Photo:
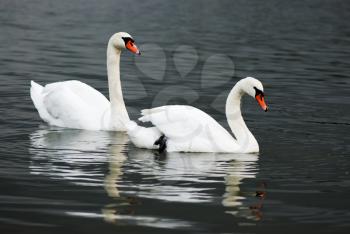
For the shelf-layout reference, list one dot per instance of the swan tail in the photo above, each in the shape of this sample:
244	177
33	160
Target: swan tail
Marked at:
143	137
145	115
152	114
36	94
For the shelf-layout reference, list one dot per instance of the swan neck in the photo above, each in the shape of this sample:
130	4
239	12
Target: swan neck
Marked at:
119	114
244	137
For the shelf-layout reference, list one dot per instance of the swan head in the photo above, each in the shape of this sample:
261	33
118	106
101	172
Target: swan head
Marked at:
253	87
123	40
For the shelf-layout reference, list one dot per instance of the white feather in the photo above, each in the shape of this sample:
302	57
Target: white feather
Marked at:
71	104
143	137
187	129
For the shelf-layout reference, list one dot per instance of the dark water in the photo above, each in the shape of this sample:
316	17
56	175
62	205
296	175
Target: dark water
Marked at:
56	180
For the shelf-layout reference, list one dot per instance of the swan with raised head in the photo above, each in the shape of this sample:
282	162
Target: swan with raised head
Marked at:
181	128
74	104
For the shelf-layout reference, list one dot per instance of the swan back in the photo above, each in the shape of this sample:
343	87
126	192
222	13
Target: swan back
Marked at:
189	129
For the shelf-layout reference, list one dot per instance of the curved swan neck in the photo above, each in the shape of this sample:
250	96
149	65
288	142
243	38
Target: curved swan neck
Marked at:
235	120
119	114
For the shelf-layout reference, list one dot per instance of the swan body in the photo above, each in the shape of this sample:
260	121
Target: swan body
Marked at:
74	104
188	129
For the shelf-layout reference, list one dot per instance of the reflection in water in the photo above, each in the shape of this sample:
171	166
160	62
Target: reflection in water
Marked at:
188	177
70	154
80	156
256	208
243	167
115	162
122	205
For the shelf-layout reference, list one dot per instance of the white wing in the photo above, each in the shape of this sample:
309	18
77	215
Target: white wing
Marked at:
189	129
71	104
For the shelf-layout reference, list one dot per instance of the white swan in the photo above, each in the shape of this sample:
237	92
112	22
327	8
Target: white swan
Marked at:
73	104
180	128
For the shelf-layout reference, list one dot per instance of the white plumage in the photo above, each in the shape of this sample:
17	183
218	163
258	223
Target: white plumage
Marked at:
73	104
188	129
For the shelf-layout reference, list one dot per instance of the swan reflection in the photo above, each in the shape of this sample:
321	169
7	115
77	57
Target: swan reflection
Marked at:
80	157
189	177
77	156
73	155
121	205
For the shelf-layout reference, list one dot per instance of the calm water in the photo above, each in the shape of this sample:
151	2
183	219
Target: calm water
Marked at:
56	180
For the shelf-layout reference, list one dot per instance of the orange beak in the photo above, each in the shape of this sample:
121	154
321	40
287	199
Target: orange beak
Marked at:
260	99
132	47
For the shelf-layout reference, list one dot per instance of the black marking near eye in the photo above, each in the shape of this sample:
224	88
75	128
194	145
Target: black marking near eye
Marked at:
127	39
258	92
